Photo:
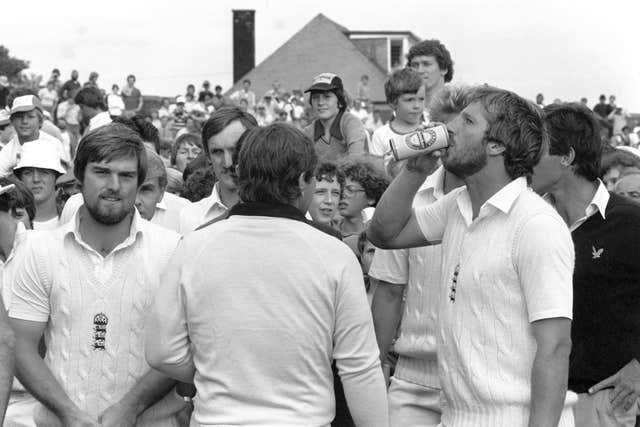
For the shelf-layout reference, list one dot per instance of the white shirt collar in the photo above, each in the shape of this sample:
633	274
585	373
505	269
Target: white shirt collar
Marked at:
507	195
72	229
434	183
161	204
101	119
599	201
214	200
502	200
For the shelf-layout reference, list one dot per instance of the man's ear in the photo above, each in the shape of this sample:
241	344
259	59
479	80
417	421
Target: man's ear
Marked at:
495	148
567	159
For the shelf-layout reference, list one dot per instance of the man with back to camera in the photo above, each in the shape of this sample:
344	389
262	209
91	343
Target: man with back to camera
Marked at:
87	286
94	108
266	359
504	321
432	60
605	227
219	137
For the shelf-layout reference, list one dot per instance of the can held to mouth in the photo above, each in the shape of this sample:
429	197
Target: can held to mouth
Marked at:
419	142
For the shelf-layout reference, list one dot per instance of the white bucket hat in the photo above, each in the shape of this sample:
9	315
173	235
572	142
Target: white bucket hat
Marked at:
42	154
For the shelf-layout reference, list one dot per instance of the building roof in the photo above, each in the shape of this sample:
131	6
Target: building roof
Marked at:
320	46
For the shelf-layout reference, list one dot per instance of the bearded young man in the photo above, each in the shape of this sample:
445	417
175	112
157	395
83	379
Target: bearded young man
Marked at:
87	286
505	304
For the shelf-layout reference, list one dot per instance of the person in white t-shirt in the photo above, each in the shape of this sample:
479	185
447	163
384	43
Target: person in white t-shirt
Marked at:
404	91
49	96
39	168
27	120
506	295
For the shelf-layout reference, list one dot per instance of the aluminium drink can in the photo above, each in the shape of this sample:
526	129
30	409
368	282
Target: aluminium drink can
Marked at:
419	142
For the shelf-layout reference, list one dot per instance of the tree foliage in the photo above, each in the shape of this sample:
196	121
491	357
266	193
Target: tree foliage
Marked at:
9	65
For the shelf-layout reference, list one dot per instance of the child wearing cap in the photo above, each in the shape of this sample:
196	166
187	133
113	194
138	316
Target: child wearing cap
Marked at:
38	169
335	132
405	94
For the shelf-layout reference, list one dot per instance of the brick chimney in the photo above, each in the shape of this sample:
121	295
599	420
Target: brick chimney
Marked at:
244	43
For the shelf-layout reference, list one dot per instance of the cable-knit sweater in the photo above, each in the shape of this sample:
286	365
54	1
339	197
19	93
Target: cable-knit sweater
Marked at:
95	310
508	267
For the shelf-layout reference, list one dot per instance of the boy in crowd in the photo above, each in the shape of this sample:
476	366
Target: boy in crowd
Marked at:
324	205
27	120
363	181
605	227
404	91
407	282
39	168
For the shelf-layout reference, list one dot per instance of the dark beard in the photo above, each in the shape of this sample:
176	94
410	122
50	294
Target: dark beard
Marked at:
107	218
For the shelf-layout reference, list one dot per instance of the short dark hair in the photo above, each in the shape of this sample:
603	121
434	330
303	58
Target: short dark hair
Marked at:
147	131
198	185
366	171
218	87
439	51
400	82
326	171
515	123
131	76
270	163
222	118
18	198
91	97
246	81
107	143
572	125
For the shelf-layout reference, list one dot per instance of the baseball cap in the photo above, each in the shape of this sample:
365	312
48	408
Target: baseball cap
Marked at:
25	103
181	99
325	82
4	117
4	81
40	154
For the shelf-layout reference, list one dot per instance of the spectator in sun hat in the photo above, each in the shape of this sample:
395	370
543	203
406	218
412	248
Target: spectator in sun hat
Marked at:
334	132
39	168
26	118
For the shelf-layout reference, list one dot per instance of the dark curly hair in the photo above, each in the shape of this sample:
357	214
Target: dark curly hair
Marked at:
199	185
366	171
438	50
326	171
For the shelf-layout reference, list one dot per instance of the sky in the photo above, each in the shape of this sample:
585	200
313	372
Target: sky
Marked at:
563	48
